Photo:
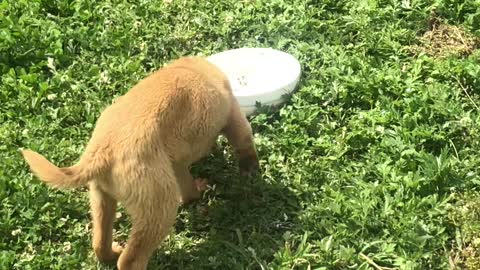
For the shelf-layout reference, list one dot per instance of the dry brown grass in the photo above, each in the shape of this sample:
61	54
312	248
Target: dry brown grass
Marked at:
446	40
465	253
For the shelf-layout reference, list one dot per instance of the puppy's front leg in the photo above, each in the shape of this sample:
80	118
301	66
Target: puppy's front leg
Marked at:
239	134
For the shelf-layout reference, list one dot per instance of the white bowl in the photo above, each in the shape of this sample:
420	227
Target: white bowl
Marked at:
260	75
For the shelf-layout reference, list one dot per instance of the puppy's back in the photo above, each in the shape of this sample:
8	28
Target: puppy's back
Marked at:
208	70
180	102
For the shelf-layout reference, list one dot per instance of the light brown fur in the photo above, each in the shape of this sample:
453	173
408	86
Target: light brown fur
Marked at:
141	149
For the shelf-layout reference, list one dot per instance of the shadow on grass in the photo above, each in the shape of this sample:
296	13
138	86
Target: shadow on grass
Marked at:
239	224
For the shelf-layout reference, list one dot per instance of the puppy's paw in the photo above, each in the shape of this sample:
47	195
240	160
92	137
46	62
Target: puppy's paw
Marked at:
249	165
117	249
201	184
108	256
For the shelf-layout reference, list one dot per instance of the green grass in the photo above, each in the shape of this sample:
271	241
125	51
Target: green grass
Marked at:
376	154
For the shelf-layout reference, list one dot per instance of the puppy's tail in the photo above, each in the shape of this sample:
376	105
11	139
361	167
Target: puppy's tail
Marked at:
63	178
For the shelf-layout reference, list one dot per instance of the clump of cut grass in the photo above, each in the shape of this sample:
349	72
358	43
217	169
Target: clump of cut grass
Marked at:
465	214
446	40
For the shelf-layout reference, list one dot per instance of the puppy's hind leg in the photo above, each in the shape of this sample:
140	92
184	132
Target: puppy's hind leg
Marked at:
103	208
152	203
239	134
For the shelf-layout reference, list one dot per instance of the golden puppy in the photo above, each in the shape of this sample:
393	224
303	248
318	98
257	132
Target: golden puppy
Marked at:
141	149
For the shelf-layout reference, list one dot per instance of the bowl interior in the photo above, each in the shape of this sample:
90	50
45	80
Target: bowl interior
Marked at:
257	71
